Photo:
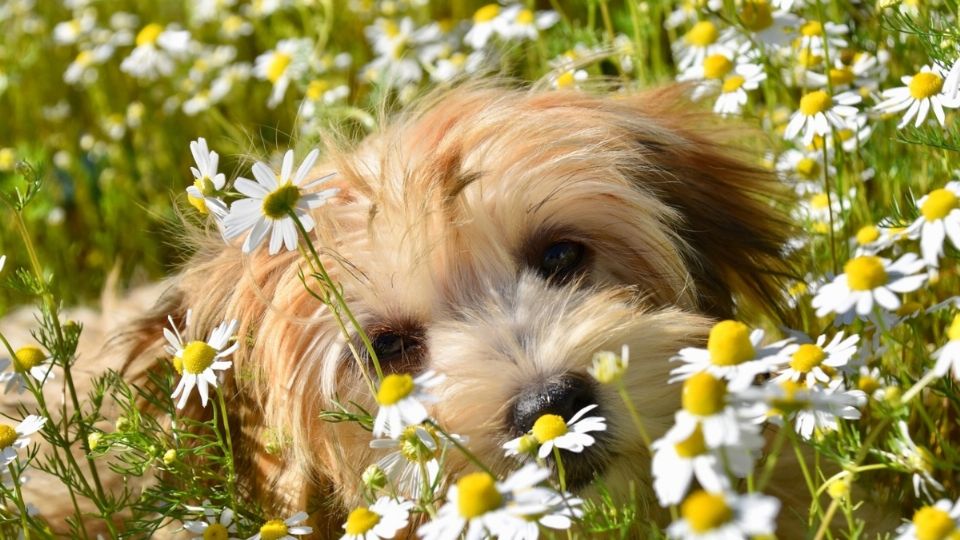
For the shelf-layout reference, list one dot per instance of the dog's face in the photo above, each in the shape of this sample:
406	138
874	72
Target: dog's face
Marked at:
500	238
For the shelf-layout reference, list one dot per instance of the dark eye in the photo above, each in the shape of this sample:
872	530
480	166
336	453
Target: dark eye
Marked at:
561	260
388	345
397	350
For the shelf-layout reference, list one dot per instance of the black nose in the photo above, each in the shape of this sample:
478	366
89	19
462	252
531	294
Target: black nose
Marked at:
564	396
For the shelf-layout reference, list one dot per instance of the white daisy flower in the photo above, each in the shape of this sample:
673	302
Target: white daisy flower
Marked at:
551	430
773	28
814	363
207	182
157	48
27	361
415	460
69	32
706	406
871	381
199	360
401	398
485	22
568	79
948	356
214	526
939	219
819	111
382	519
913	459
733	89
940	520
271	199
733	353
804	170
867	281
14	438
519	23
287	62
725	516
814	410
851	137
814	35
931	88
702	40
690	10
283	529
607	367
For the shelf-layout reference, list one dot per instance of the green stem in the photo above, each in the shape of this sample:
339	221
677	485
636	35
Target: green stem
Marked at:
561	472
470	455
634	414
772	457
231	470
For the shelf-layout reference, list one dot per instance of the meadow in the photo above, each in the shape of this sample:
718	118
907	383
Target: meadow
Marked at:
126	123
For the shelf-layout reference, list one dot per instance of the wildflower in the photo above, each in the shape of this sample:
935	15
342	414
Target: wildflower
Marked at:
156	49
608	367
568	79
26	361
805	169
415	461
733	90
519	23
815	363
283	529
766	25
69	32
207	182
288	61
814	409
706	406
13	438
401	398
485	21
392	41
930	88
733	353
270	201
915	459
383	519
866	280
819	111
948	356
551	430
705	515
214	526
702	40
939	219
198	360
814	36
939	521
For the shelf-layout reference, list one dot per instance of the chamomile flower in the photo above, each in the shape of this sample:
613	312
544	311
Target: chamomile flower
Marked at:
804	170
814	410
817	363
871	381
734	88
705	38
931	88
948	356
207	182
199	360
940	520
269	202
608	367
914	459
215	525
27	361
485	22
568	79
814	36
868	281
819	111
282	65
772	27
14	438
283	529
382	519
415	459
733	353
551	430
519	23
401	398
705	400
727	516
156	50
939	219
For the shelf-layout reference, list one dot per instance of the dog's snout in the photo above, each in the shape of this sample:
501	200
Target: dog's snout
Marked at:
563	396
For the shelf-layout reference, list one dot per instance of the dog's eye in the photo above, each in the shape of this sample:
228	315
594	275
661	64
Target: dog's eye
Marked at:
561	260
398	350
388	345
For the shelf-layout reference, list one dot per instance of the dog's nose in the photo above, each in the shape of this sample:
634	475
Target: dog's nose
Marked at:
564	396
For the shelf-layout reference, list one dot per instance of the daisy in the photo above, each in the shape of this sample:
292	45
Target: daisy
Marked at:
207	182
766	25
851	137
914	459
519	23
550	430
401	398
868	280
939	219
814	35
819	111
156	49
940	520
733	353
727	516
931	88
415	461
705	406
69	32
15	438
198	360
26	361
871	381
283	529
804	169
607	367
215	527
701	41
814	410
568	79
271	199
733	89
383	519
948	356
287	62
815	363
484	26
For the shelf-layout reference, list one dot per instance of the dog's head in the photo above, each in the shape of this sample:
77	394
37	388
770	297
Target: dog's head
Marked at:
501	237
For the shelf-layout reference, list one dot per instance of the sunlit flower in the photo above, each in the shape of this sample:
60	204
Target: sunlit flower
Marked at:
14	438
199	360
608	367
706	406
552	431
815	35
813	409
382	519
914	459
705	38
948	356
725	516
283	529
939	219
287	62
733	353
485	23
516	22
772	27
401	398
156	50
27	361
415	459
207	181
939	521
69	32
817	363
819	111
867	281
214	526
931	88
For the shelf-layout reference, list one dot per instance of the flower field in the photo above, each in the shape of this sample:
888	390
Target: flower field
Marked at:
129	128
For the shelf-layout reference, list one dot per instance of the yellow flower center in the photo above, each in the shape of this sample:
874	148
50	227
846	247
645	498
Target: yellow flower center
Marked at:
394	388
939	203
565	80
716	66
933	524
281	201
549	427
525	17
809	59
790	401
215	531
27	358
808	168
867	234
487	13
868	384
316	88
8	436
527	445
865	273
414	449
149	34
705	511
732	83
756	15
273	530
84	58
702	34
278	66
232	24
925	84
704	395
811	29
361	520
841	76
815	102
953	333
692	446
477	494
729	343
197	357
807	357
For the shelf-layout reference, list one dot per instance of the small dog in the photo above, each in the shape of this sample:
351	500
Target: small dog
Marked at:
501	237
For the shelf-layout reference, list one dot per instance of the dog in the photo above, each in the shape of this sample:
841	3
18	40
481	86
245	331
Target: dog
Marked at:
499	236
